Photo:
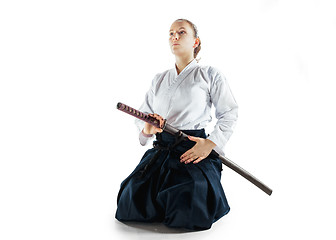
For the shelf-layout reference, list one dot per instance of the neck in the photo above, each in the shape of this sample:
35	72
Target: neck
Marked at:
182	62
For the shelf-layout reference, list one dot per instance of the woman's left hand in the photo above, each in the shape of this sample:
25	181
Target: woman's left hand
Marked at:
197	153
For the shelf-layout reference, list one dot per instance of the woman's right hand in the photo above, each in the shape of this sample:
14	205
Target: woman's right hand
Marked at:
150	129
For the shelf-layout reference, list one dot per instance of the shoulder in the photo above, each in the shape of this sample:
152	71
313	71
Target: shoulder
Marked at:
212	73
159	76
162	73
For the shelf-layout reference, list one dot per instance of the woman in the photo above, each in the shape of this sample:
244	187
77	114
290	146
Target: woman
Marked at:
178	182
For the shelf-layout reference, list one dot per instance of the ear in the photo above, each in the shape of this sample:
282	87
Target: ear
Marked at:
197	41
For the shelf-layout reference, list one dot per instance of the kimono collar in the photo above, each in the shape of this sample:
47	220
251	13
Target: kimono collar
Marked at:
189	66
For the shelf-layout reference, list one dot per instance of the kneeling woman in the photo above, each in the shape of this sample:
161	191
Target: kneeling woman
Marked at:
178	182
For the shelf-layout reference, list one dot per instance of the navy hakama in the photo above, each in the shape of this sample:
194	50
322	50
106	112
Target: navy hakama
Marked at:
162	189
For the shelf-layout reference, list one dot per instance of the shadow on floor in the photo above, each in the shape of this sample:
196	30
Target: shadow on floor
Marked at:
152	227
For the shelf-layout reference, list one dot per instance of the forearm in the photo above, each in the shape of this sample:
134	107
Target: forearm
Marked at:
144	138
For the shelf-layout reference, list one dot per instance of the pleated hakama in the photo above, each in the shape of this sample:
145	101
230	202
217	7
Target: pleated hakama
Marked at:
162	189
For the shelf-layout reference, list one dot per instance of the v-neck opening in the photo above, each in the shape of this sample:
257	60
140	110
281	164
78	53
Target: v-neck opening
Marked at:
185	72
192	63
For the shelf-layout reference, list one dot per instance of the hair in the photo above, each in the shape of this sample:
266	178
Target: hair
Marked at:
193	26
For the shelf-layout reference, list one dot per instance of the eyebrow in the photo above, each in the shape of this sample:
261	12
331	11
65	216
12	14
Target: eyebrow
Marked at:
178	29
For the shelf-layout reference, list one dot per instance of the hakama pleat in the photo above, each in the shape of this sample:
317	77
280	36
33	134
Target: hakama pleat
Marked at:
162	189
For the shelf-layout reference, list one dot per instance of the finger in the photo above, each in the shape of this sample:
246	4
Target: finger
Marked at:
191	159
161	120
156	116
198	160
187	158
195	139
187	153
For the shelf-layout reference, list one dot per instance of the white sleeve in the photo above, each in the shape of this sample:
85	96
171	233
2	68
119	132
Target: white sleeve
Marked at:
146	107
226	110
144	139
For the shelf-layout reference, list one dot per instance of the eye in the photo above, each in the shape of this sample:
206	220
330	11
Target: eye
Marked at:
182	32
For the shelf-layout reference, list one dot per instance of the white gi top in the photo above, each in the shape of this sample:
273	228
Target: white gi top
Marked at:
185	101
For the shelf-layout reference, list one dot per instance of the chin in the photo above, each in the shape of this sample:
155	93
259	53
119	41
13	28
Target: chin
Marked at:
177	52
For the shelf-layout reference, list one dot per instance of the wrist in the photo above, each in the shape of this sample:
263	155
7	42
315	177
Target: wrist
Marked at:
210	143
146	134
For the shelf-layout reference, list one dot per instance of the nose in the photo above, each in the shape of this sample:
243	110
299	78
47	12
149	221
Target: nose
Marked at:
175	36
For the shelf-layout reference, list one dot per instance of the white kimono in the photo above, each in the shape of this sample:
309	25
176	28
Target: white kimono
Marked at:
185	101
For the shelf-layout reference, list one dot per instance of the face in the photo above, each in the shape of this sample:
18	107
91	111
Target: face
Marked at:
182	40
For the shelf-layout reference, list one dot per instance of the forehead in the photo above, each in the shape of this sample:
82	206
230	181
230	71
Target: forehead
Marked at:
180	24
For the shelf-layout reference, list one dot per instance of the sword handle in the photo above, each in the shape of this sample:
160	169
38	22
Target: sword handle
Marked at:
139	115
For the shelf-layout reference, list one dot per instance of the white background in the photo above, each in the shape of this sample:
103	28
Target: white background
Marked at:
65	149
